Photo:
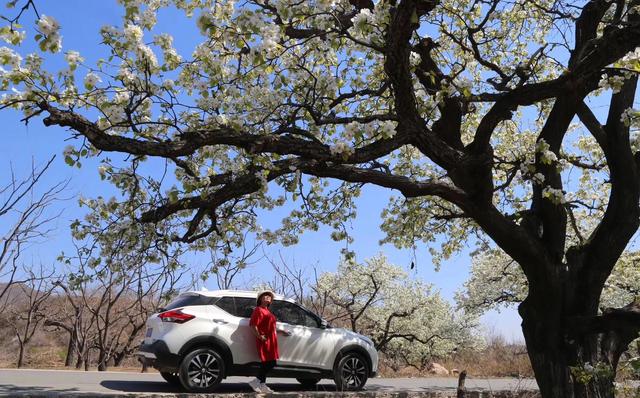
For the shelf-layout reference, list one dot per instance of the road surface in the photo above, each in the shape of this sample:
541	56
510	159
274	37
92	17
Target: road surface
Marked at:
61	382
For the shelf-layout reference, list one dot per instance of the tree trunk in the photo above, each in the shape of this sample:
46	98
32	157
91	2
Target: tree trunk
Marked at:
567	365
119	357
102	360
70	350
20	355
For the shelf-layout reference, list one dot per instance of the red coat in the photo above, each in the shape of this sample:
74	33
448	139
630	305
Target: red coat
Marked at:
266	323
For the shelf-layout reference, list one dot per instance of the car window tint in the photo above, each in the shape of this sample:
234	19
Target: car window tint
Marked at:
244	306
189	299
237	306
227	304
310	320
293	314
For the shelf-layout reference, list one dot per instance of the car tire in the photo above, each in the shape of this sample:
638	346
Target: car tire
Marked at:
202	370
351	372
171	378
308	382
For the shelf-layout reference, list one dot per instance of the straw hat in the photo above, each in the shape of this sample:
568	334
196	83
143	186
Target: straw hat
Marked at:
264	292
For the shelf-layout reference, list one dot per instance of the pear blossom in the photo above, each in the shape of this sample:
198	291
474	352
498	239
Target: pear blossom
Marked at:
48	25
91	80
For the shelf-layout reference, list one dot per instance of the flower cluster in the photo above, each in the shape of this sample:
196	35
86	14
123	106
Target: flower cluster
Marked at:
341	148
12	36
630	116
73	58
91	80
546	156
50	39
613	83
556	196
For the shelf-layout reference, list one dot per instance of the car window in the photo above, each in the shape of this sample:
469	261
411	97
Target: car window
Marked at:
237	306
245	306
188	300
227	304
293	314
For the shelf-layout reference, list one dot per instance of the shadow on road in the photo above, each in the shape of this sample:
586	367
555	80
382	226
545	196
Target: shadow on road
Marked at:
158	387
10	388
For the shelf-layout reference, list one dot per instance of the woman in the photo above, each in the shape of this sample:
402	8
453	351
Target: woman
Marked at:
263	325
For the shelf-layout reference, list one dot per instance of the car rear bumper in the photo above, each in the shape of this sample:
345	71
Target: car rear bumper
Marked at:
157	354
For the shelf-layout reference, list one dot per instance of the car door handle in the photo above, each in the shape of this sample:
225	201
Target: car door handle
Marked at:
220	321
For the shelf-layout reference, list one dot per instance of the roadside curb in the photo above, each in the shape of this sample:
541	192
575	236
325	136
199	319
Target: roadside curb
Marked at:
361	394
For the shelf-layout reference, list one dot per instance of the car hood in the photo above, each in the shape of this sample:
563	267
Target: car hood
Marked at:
352	334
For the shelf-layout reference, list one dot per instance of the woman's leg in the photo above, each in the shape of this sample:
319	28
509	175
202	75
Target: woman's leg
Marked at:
265	367
262	373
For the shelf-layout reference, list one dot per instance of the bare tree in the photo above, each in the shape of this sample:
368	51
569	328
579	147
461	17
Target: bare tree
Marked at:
30	307
227	265
73	317
291	280
24	211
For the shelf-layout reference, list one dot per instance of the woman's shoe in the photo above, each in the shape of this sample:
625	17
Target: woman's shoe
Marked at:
255	385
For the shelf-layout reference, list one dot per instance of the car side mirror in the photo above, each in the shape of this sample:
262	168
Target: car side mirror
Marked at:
324	324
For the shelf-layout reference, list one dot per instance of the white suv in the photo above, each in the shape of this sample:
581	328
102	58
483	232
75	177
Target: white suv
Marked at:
202	337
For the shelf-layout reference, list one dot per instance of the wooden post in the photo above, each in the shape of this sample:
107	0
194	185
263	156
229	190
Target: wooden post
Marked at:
461	390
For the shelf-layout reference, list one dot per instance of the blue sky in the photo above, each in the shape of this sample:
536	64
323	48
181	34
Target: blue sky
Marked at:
81	21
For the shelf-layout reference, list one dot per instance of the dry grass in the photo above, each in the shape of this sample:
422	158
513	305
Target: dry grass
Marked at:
499	359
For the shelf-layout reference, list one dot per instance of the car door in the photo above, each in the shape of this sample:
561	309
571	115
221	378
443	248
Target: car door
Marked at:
239	336
308	344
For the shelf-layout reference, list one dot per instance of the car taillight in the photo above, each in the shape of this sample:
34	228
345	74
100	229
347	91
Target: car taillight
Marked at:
175	316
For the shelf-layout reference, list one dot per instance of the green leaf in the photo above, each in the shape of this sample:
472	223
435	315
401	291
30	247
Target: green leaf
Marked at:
69	160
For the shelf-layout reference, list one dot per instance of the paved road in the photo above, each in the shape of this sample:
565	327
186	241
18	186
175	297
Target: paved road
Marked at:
59	382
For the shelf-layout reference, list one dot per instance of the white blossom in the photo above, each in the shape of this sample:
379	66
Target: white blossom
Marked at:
629	115
73	58
133	33
341	148
91	79
387	129
10	57
554	195
48	25
538	178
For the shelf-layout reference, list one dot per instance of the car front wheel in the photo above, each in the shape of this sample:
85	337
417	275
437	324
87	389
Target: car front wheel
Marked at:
201	370
351	373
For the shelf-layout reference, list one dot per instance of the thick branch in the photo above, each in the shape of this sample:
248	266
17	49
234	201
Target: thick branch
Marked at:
621	219
192	141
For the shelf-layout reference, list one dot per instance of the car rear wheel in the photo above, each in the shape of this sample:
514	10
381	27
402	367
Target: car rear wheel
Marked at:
202	370
171	378
308	382
351	373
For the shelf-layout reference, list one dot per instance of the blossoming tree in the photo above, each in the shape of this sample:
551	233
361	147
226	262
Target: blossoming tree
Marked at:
496	281
499	119
406	319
